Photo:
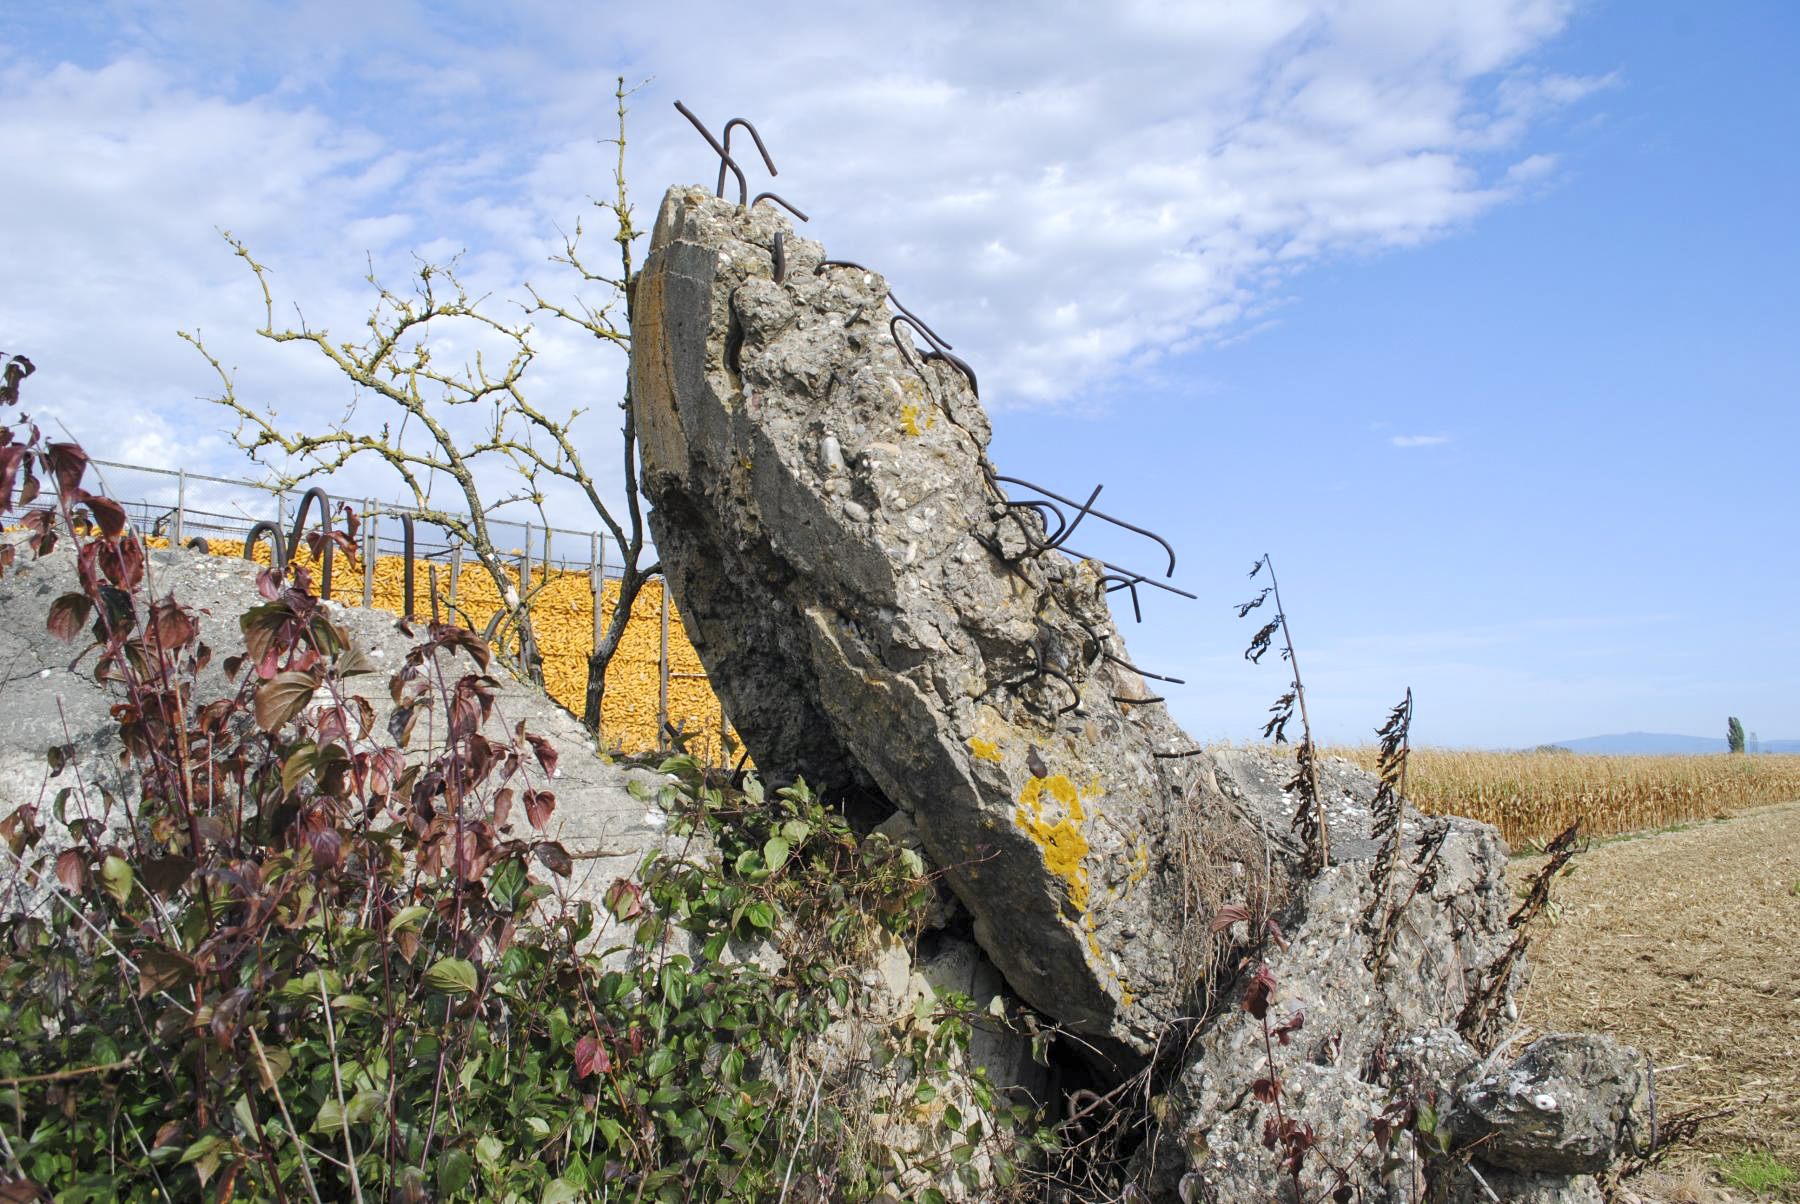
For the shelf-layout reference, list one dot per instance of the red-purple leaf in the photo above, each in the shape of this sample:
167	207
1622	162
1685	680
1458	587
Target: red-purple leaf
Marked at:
1261	992
556	859
624	899
107	513
546	752
72	871
591	1057
282	697
68	614
1229	915
173	625
68	462
538	806
160	969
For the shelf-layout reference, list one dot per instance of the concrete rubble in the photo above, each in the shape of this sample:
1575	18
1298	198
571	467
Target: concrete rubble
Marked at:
882	616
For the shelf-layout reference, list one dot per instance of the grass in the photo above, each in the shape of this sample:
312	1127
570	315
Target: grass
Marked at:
1757	1171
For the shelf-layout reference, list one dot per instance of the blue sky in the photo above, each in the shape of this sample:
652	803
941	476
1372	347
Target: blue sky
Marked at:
1479	317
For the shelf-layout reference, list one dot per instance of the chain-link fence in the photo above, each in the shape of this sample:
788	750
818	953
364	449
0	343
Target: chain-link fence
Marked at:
656	685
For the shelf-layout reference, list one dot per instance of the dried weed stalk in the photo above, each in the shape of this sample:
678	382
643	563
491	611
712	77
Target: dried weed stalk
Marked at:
1309	818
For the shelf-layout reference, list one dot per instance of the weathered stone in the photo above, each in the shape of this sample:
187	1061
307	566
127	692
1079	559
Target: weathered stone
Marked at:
1571	1104
874	616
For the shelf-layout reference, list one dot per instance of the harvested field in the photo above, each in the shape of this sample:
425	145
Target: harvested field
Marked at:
1687	944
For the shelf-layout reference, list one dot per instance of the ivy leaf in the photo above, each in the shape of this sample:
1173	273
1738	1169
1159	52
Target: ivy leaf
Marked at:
659	1064
72	871
454	1170
591	1057
556	859
408	919
775	853
452	976
116	877
559	1191
282	697
624	899
67	615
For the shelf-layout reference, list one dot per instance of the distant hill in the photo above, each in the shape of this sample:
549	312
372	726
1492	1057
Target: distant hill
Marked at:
1659	743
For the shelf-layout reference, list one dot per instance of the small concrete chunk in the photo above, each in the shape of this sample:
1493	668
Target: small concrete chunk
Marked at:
1572	1104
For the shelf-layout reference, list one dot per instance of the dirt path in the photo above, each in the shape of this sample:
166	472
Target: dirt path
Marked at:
1687	944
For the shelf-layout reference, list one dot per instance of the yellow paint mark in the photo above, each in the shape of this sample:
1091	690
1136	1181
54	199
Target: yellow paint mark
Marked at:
984	750
1050	812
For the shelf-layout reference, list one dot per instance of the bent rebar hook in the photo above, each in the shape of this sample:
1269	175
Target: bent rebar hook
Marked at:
325	530
725	159
1040	669
726	155
940	349
277	553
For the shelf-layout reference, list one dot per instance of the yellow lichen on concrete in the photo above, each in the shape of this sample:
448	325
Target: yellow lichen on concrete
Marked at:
1050	812
984	750
909	420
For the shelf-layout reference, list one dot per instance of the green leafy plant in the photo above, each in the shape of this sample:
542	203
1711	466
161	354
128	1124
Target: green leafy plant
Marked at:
313	957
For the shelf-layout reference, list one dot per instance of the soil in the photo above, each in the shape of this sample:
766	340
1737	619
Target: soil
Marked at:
1686	943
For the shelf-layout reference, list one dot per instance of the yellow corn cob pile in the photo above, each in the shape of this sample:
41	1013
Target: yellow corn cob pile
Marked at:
562	615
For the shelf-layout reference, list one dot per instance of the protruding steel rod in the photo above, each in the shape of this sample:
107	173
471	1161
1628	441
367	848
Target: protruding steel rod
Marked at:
725	134
277	553
725	159
406	573
1117	522
1119	660
1040	669
769	196
306	500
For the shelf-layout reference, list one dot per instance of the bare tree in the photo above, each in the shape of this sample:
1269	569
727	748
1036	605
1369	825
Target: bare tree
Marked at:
395	365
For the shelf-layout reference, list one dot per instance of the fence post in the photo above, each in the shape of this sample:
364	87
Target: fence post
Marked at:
524	593
180	508
596	582
662	669
280	529
370	548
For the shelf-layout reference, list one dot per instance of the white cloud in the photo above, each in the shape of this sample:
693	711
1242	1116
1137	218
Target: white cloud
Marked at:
1418	440
1068	199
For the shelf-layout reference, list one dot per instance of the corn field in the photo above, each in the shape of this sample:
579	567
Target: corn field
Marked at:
1531	796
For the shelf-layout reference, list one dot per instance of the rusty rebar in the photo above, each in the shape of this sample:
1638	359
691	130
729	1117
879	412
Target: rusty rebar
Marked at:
725	159
726	153
769	196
